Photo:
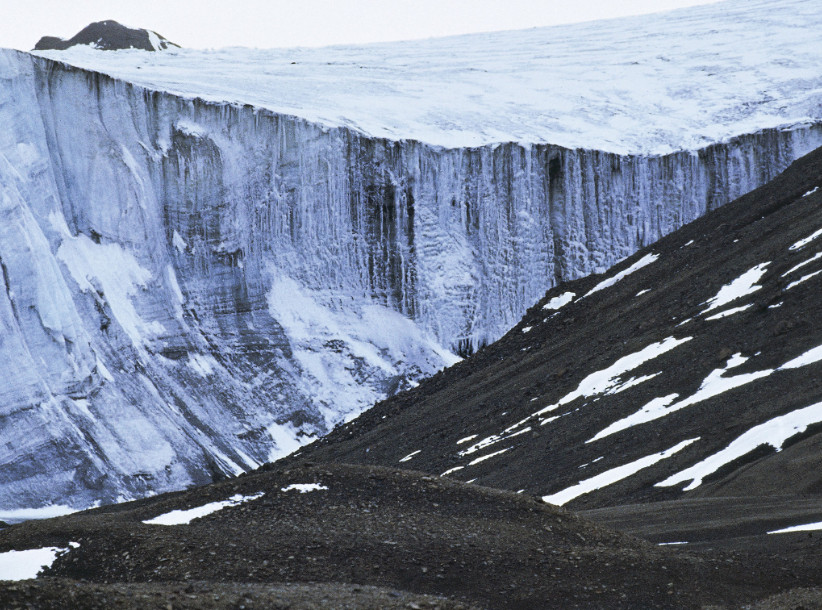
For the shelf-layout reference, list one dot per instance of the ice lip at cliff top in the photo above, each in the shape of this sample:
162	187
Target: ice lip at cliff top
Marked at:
641	85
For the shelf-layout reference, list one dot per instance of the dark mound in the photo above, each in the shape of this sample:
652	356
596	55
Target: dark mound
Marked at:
379	537
108	36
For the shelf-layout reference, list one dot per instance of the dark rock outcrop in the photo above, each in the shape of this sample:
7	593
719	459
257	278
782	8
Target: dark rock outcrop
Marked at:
108	36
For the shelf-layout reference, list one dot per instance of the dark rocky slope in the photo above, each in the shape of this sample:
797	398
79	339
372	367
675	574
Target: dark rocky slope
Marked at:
546	364
108	36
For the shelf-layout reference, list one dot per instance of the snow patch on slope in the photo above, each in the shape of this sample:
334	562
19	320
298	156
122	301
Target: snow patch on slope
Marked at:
804	242
773	432
643	262
560	301
606	380
714	384
184	517
742	286
729	312
816	256
304	488
807	527
23	565
803	279
612	476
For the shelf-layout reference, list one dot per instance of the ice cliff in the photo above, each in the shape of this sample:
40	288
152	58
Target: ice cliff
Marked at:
192	288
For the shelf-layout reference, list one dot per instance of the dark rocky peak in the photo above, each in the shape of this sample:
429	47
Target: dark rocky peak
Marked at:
108	36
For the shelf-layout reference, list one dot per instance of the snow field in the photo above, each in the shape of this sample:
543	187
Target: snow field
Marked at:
683	84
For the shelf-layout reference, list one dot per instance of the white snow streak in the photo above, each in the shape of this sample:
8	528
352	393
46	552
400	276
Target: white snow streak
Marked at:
809	357
410	455
612	476
729	312
804	242
467	439
742	286
450	470
804	278
816	256
773	432
494	438
184	517
154	40
643	262
304	488
605	380
560	301
714	384
808	527
487	457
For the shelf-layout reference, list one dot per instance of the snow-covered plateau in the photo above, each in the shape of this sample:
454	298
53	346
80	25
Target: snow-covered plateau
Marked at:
210	257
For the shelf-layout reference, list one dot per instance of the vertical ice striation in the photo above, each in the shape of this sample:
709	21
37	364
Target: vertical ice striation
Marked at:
191	289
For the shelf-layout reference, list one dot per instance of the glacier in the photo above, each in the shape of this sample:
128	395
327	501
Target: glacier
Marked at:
196	285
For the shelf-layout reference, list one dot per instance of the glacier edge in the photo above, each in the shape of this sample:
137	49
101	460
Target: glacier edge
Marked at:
192	289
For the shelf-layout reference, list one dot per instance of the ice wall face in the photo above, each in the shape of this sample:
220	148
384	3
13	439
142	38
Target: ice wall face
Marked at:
190	287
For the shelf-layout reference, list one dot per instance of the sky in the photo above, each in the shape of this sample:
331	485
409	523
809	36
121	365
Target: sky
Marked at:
291	23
